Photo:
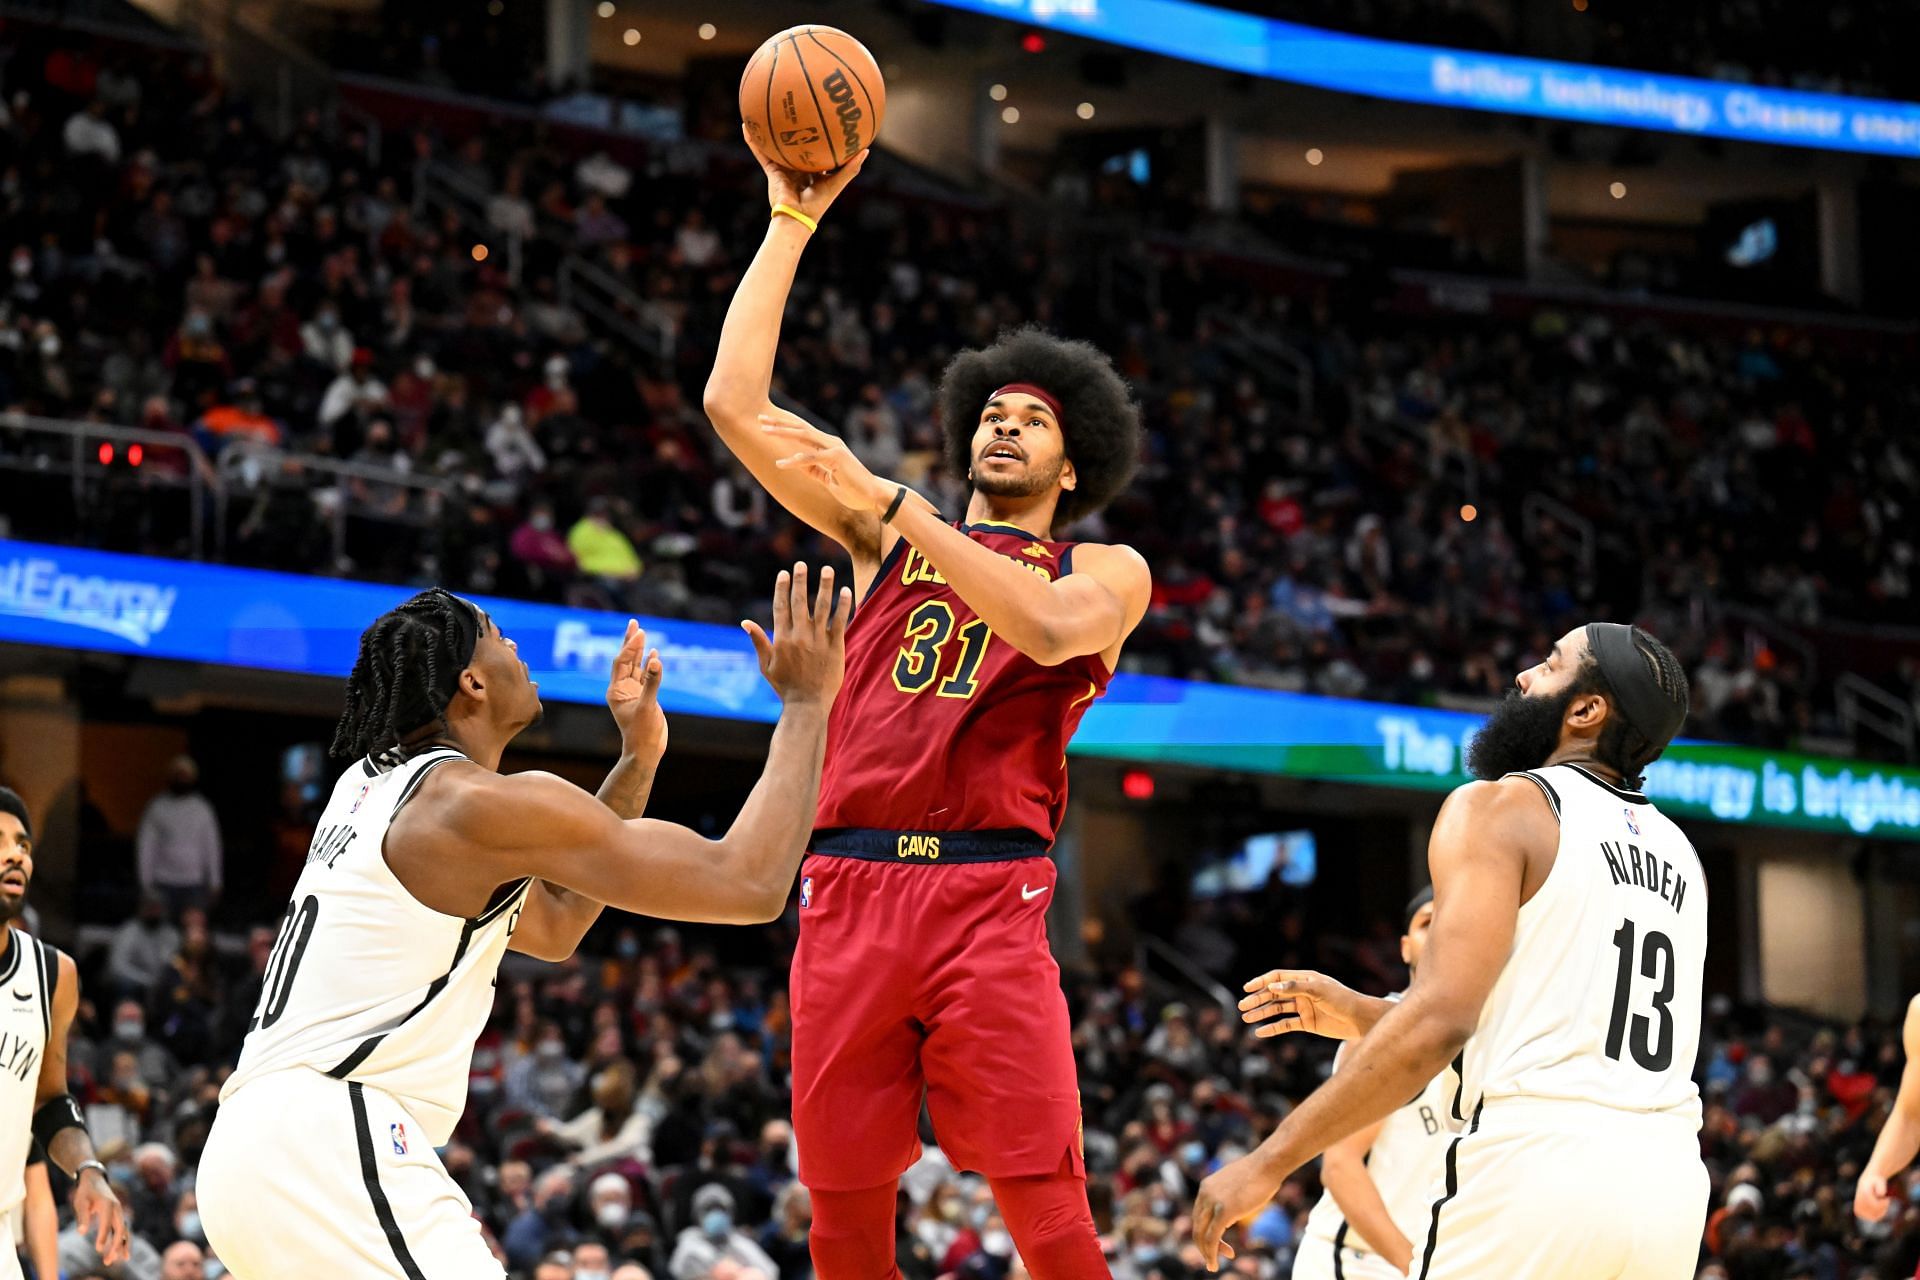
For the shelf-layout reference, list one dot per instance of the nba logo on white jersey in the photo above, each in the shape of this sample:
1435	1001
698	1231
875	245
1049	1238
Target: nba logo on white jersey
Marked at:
361	798
1631	824
399	1139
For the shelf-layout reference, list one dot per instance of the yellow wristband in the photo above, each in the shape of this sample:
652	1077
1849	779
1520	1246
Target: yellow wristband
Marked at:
797	216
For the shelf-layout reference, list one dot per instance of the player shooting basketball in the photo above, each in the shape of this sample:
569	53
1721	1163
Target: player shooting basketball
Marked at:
923	965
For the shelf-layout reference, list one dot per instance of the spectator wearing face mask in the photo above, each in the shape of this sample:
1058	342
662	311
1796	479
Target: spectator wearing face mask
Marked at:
546	1080
610	1200
541	551
517	456
703	1250
179	849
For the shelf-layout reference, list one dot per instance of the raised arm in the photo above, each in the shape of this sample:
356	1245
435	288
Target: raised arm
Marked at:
1899	1140
535	824
1091	610
556	918
1481	843
737	389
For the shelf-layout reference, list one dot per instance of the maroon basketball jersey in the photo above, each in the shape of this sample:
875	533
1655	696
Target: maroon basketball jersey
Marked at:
942	725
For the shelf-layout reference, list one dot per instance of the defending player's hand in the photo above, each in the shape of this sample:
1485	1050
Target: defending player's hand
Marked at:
807	656
1870	1198
633	695
810	193
97	1212
826	459
1230	1195
1302	1000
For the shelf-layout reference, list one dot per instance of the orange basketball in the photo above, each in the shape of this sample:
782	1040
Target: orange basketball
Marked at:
812	98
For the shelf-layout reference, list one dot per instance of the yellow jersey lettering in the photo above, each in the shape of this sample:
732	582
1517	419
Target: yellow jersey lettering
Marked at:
915	568
927	847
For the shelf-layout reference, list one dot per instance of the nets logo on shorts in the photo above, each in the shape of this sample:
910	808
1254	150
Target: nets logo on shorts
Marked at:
806	891
399	1134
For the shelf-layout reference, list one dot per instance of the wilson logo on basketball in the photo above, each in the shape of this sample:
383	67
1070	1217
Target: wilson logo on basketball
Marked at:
840	94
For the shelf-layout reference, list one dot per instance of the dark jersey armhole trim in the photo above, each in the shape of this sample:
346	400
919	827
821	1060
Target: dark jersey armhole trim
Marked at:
413	784
1546	789
1066	560
887	562
47	960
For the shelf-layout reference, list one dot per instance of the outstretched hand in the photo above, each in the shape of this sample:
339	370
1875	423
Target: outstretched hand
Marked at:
806	658
827	460
810	193
1302	1000
633	695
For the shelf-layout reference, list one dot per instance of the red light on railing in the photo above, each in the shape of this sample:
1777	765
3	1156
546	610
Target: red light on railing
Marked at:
106	454
135	455
1136	784
1033	42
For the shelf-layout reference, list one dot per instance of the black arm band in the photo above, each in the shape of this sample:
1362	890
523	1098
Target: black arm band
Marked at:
58	1113
893	508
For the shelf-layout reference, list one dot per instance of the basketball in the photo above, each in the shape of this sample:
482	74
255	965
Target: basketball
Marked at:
812	98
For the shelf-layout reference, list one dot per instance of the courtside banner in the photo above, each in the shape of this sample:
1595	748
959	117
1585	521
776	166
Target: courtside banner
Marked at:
67	598
1404	72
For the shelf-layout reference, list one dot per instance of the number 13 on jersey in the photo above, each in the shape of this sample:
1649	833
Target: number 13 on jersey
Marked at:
923	652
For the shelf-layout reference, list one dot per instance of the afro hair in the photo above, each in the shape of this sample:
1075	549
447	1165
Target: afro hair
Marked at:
1098	416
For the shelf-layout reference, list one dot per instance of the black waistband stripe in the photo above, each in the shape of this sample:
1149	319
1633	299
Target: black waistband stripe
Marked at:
930	848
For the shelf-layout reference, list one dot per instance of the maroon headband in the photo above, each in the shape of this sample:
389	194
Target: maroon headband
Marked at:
1038	393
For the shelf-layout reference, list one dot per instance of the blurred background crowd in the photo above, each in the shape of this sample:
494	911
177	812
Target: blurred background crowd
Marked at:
470	350
1370	503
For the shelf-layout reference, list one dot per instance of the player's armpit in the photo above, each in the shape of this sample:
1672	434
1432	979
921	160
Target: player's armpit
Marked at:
536	824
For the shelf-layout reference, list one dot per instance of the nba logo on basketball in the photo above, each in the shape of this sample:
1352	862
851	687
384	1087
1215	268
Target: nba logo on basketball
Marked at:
1631	825
399	1139
806	891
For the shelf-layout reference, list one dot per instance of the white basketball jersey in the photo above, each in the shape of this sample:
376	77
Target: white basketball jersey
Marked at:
1600	998
27	975
1403	1162
367	984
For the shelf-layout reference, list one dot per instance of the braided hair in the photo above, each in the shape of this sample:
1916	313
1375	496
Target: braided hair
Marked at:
407	672
1621	746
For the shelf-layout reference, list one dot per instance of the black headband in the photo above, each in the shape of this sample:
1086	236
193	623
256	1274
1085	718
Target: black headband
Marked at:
1418	901
1634	690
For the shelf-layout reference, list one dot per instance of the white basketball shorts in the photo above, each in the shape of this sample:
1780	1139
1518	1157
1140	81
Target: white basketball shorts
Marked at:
310	1178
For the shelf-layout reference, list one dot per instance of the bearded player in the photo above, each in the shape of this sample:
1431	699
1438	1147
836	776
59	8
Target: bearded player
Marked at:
35	1106
1562	971
923	967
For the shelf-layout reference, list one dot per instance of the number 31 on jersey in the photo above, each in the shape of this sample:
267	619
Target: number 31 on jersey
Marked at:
923	652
